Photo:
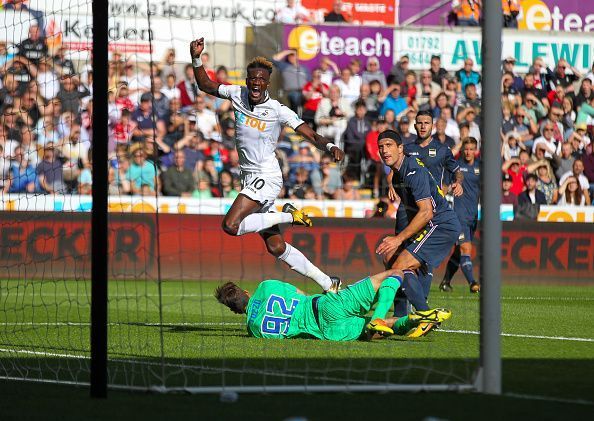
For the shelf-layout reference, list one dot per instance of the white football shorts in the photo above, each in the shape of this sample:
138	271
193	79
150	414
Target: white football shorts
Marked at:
262	188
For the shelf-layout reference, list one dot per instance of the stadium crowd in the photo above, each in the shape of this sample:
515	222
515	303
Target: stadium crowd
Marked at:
168	138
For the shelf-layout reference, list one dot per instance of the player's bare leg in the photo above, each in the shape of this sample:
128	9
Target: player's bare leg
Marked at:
242	217
276	245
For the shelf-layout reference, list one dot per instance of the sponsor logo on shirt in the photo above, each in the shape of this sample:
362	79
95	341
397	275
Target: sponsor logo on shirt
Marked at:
248	121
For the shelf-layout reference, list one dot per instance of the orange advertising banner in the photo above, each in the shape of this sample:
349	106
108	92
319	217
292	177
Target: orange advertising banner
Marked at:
361	12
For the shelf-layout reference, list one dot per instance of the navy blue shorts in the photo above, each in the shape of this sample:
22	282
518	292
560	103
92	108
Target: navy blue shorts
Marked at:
434	243
467	231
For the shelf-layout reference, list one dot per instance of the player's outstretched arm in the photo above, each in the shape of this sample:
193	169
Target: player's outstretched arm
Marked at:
320	142
202	79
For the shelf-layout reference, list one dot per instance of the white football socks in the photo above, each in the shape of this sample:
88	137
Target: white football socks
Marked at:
257	222
300	264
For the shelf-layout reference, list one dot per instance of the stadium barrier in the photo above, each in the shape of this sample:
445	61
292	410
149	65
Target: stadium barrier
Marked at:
193	247
220	206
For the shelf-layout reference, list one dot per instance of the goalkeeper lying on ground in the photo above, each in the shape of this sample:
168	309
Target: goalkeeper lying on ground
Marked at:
279	310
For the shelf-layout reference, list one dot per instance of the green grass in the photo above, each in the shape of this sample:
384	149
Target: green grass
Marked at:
44	332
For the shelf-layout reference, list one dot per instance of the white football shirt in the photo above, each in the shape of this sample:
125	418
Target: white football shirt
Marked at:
257	129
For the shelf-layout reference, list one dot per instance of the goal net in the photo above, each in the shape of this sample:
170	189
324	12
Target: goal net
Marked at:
167	251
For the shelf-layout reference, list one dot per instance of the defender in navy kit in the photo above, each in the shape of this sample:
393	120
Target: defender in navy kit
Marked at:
432	227
466	207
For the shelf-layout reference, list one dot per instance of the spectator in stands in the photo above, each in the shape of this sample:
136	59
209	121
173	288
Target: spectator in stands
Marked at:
451	90
547	140
168	66
374	72
160	102
398	72
376	170
49	172
187	87
529	87
69	95
85	179
570	193
404	130
530	200
33	48
511	10
569	115
190	145
141	173
441	101
177	179
516	170
468	12
336	14
578	172
467	75
452	128
438	74
294	77
533	108
427	90
211	172
391	100
354	138
349	85
440	133
348	191
509	93
370	101
118	182
585	113
326	180
507	196
390	119
301	185
590	74
203	189
554	116
226	188
409	89
512	145
206	120
329	70
23	176
5	171
74	154
564	162
138	80
171	91
303	159
585	94
10	91
145	124
546	182
332	115
508	68
292	13
313	92
562	77
48	80
588	160
177	124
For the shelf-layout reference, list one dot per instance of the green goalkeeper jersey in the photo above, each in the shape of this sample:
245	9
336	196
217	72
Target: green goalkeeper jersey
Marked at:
278	311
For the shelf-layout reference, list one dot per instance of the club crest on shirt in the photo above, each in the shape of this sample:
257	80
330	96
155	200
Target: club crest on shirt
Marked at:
477	171
433	153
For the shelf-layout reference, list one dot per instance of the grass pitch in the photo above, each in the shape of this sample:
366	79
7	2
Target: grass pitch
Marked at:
548	344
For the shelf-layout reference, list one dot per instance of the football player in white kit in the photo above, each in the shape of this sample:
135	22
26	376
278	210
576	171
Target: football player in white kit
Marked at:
258	123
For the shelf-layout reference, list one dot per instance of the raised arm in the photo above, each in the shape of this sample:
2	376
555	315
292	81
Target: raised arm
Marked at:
202	79
320	142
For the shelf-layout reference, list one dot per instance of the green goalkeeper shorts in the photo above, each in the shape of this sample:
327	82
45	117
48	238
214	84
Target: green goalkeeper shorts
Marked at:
342	315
